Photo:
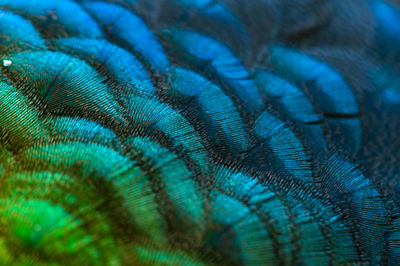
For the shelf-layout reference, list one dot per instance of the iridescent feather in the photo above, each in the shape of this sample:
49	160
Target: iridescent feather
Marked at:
176	132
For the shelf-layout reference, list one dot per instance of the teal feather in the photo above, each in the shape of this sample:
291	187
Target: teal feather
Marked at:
175	132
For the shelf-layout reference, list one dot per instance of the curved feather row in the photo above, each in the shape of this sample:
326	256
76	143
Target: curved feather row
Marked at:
174	132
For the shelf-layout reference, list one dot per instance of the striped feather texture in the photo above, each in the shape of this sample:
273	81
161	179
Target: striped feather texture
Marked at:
176	132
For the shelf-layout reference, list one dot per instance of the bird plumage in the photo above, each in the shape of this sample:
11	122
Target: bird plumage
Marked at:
175	132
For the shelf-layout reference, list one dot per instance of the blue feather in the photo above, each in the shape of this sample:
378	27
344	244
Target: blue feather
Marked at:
18	33
327	90
130	29
120	64
69	17
176	132
197	50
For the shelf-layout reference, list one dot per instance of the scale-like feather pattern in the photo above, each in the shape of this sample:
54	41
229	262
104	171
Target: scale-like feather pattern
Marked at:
176	132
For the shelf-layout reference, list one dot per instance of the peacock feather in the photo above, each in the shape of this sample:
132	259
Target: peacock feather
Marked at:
199	132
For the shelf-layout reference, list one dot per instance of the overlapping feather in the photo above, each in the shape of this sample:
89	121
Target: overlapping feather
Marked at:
176	132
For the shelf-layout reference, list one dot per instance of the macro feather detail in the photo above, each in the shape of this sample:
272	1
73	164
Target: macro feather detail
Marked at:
175	132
